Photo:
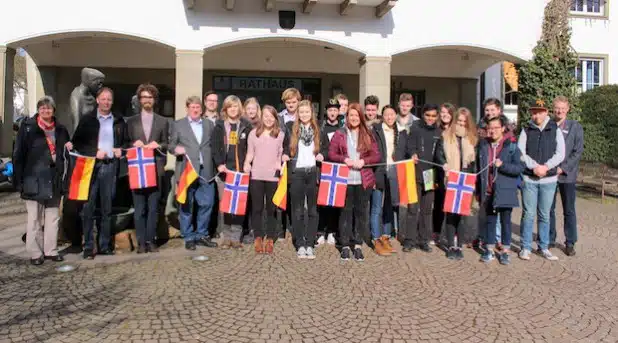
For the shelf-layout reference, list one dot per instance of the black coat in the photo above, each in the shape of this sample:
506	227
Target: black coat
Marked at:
380	171
86	137
422	141
36	175
159	133
219	145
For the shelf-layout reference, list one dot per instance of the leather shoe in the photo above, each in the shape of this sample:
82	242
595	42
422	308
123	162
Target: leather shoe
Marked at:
106	252
142	249
88	255
425	247
207	242
151	247
55	258
37	261
570	250
190	245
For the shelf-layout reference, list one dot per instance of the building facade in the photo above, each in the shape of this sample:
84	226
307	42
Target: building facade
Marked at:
435	50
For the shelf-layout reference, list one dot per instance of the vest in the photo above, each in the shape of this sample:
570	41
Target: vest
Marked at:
541	145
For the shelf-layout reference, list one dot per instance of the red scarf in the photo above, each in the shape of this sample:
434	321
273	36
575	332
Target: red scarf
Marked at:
46	127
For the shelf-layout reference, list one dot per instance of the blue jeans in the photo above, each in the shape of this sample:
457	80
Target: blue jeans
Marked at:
382	213
103	186
537	199
567	195
204	194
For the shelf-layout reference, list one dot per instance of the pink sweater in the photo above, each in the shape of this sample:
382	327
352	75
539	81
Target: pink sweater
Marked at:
265	153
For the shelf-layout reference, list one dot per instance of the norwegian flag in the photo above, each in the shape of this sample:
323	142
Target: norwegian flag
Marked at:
333	184
459	193
142	168
234	200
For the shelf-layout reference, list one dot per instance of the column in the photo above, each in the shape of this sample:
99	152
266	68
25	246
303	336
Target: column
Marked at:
35	85
189	78
375	78
7	57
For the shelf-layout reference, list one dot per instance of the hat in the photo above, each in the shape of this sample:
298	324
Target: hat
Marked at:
539	106
332	103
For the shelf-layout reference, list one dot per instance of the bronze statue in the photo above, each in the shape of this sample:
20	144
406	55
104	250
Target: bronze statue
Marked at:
83	97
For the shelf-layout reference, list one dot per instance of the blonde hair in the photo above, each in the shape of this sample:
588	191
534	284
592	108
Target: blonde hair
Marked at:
274	131
291	93
562	99
255	102
230	101
296	130
471	132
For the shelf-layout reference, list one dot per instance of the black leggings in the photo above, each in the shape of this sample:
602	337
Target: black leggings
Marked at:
262	193
303	186
353	223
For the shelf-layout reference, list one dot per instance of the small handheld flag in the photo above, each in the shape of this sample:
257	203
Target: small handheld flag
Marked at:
235	191
188	176
459	192
333	184
406	182
281	194
81	177
142	168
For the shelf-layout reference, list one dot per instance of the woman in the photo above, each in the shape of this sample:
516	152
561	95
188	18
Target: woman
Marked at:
303	146
355	146
229	151
447	112
252	111
383	203
456	151
264	164
38	162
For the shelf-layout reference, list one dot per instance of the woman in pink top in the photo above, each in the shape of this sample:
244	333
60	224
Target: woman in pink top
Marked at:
264	164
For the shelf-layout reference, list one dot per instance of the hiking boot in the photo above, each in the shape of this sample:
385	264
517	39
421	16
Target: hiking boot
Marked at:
386	243
269	246
259	245
570	250
380	249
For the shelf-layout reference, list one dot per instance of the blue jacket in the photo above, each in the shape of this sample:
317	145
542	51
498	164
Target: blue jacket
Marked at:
506	178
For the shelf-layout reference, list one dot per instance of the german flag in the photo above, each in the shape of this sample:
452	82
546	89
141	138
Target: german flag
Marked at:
189	175
81	177
406	181
281	194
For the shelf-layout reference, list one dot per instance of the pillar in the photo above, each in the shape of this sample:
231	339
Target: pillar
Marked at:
375	78
189	78
7	58
35	85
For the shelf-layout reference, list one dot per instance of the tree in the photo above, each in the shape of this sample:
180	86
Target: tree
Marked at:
20	80
550	72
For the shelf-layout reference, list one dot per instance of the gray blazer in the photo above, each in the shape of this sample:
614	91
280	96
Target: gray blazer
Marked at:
159	133
182	135
574	147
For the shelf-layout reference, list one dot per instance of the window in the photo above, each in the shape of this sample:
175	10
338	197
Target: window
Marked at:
589	73
588	7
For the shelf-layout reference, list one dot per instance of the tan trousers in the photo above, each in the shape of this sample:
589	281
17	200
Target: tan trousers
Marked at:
47	214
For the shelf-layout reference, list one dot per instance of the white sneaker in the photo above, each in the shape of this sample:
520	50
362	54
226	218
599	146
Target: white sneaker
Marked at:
524	254
301	253
310	253
321	240
548	255
331	239
432	242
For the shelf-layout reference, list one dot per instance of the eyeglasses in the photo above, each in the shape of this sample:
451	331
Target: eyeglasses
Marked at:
145	97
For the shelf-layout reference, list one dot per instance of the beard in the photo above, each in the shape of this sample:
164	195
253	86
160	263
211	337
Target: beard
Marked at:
147	106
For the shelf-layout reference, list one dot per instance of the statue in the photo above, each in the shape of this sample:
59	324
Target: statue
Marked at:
83	97
136	108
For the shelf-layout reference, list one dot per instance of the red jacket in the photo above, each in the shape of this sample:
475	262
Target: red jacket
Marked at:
338	152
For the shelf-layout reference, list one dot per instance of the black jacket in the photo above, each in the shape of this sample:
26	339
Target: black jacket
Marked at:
380	172
36	175
422	141
86	137
159	133
219	144
325	130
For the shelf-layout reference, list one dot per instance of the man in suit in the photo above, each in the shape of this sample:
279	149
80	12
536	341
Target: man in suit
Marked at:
148	130
100	134
567	175
191	140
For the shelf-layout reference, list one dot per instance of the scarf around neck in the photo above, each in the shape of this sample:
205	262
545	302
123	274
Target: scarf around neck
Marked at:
48	128
452	150
306	134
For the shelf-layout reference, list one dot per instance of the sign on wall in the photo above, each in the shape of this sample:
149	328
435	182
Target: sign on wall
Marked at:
255	83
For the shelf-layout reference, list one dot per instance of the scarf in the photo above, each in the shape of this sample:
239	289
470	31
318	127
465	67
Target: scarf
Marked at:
47	129
306	135
451	150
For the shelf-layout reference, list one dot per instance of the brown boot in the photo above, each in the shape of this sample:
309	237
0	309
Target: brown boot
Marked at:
269	246
386	242
259	245
380	248
226	244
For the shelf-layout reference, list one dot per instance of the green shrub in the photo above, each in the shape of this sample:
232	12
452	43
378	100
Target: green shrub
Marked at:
599	117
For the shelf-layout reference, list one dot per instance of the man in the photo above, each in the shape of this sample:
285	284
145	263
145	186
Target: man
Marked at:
567	175
406	118
420	144
190	140
372	103
290	97
542	149
148	130
343	101
211	104
100	134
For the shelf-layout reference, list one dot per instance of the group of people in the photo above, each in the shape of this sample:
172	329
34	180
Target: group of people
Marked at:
248	138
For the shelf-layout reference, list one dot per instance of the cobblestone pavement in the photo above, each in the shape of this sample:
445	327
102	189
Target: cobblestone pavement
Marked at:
237	296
